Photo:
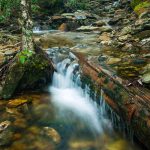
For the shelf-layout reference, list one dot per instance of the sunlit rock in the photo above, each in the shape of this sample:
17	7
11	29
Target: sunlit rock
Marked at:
16	102
87	28
113	61
118	145
52	134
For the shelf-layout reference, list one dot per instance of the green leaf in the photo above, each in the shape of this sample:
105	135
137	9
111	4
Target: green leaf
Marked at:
22	59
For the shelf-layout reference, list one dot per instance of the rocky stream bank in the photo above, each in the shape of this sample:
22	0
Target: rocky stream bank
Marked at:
112	44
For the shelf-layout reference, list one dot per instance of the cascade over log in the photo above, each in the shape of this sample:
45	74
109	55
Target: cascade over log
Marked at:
128	102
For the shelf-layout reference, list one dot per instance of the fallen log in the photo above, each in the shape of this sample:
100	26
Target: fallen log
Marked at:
131	103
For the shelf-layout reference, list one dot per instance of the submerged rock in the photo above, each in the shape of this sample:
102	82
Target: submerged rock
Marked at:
52	134
16	103
5	133
4	125
43	114
49	41
118	145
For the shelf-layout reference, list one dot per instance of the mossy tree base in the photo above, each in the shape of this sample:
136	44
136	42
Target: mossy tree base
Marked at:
35	72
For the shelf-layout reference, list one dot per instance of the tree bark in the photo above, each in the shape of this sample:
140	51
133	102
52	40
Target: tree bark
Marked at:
26	25
31	67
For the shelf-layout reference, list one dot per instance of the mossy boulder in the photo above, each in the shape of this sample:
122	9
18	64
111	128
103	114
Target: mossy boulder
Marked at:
30	73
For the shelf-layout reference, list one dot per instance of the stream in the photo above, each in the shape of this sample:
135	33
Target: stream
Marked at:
65	117
88	125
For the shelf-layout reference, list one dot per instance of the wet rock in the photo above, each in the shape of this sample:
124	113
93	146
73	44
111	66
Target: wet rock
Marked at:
63	27
146	55
17	136
49	41
146	74
43	114
111	61
52	134
87	28
105	29
102	58
68	15
143	34
146	78
138	61
16	102
145	42
144	15
99	23
58	19
19	144
128	47
2	58
126	30
4	125
9	52
104	37
118	145
35	130
82	144
146	68
35	72
5	133
2	105
124	38
114	21
20	123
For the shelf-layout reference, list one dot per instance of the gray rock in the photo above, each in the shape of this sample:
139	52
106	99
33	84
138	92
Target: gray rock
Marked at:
144	15
146	78
126	30
105	29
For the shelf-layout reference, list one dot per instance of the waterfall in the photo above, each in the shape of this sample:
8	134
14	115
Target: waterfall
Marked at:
69	98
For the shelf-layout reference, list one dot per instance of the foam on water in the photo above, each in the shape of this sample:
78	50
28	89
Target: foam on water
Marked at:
68	98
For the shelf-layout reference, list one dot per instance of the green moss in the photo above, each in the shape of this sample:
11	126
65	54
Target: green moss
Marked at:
141	6
100	75
134	3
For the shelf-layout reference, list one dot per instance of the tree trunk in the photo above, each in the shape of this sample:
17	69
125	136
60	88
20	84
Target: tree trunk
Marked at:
31	67
26	25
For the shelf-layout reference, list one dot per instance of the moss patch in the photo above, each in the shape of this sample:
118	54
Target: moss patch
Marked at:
35	72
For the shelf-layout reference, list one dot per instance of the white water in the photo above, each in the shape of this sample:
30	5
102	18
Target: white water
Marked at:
71	102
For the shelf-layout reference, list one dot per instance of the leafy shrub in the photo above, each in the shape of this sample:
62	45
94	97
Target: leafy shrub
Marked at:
76	4
134	3
7	7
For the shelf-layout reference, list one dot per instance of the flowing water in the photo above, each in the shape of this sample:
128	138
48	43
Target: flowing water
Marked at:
65	117
90	127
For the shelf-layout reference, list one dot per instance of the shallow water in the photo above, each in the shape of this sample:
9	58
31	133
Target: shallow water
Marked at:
64	119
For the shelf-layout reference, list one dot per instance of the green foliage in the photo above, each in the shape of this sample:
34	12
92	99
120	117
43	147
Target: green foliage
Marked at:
134	3
24	55
7	7
76	4
35	8
142	5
